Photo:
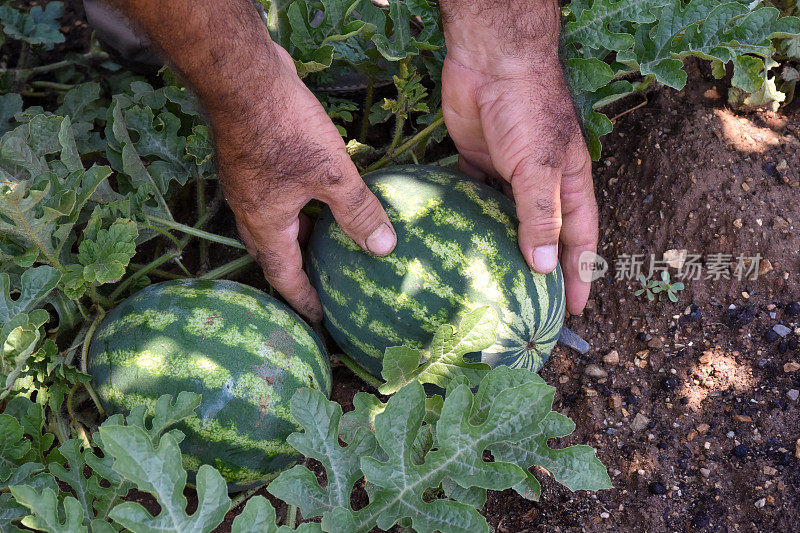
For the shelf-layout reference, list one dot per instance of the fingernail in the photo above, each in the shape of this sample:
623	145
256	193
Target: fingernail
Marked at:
382	240
545	258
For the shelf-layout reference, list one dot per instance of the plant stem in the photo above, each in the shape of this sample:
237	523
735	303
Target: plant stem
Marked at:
180	264
87	340
85	355
400	121
99	298
291	516
410	143
446	161
40	69
201	212
52	85
141	272
362	138
20	73
155	271
194	232
229	268
356	369
243	497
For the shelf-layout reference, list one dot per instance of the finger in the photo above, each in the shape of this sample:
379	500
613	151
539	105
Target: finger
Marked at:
579	232
277	250
477	165
536	190
359	213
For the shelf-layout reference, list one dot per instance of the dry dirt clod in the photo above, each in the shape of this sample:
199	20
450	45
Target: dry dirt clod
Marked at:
702	429
791	367
797	449
742	419
615	402
656	343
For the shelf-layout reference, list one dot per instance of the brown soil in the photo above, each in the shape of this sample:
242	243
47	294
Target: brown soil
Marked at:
673	178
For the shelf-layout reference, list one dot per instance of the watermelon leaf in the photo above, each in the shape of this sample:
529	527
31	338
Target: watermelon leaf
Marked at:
320	420
259	515
10	512
576	467
13	446
401	365
408	446
158	470
46	510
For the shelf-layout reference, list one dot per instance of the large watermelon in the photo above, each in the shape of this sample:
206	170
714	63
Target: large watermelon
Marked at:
243	351
456	249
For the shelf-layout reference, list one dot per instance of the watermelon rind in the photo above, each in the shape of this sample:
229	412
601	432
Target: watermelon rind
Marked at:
457	248
245	352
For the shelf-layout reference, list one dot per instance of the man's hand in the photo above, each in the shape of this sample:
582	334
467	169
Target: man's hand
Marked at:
281	154
276	147
510	114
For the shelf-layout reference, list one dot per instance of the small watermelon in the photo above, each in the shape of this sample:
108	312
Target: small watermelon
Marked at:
456	249
242	350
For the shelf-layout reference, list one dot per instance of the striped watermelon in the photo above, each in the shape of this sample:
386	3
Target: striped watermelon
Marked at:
243	351
456	249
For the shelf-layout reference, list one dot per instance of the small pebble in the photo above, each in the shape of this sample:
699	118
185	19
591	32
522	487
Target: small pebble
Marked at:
641	336
657	488
783	347
611	358
705	472
760	503
793	394
781	330
639	422
792	343
703	428
655	343
771	336
595	371
793	309
791	367
741	451
604	515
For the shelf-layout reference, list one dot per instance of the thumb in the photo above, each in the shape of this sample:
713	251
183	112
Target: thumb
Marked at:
360	214
536	190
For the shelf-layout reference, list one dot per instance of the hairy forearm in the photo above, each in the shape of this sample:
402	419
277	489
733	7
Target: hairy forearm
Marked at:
221	47
523	29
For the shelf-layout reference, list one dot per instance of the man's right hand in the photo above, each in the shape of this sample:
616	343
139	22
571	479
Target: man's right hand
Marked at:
276	147
276	157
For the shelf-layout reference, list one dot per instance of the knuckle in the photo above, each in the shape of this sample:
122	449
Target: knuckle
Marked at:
543	229
332	178
361	211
